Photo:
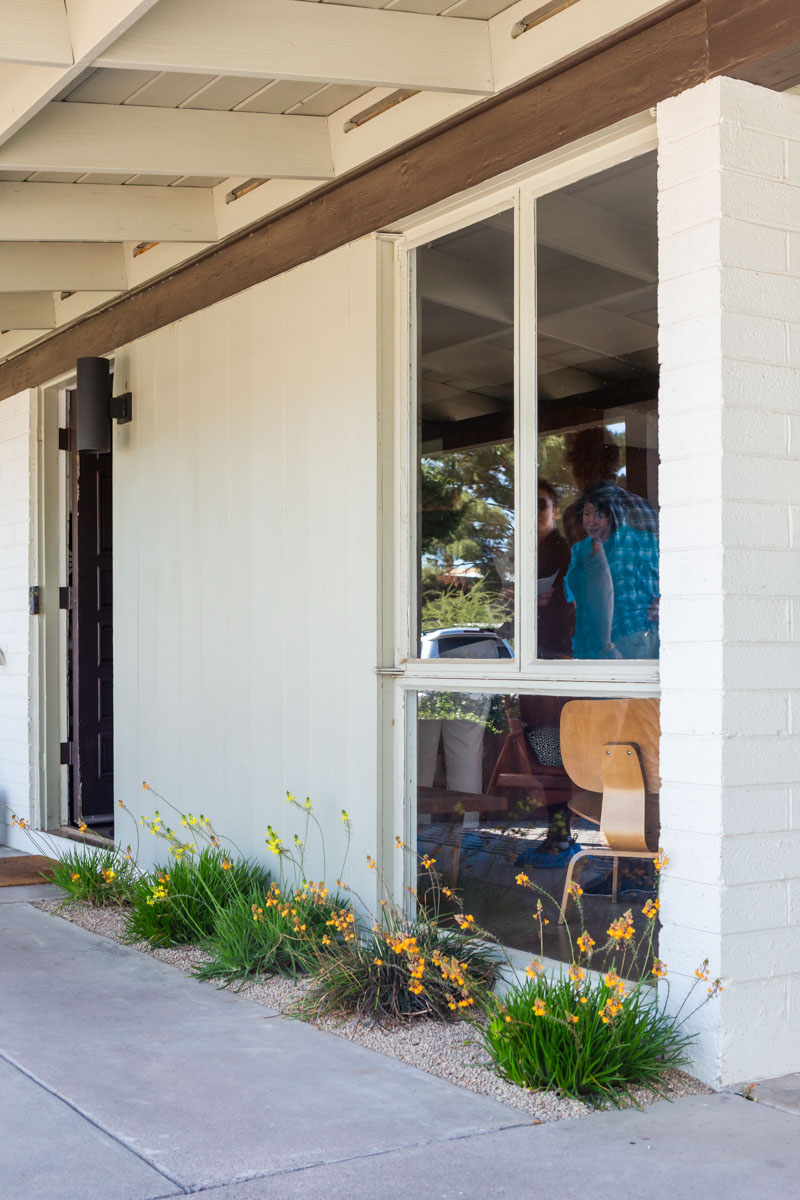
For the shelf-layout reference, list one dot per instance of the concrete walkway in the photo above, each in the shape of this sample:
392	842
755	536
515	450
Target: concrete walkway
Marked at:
121	1079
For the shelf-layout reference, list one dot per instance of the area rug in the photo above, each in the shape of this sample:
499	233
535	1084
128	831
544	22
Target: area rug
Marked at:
22	869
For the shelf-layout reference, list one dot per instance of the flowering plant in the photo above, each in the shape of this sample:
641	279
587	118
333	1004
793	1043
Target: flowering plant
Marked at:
600	1027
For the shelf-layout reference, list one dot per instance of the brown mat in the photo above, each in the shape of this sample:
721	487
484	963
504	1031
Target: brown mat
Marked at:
24	869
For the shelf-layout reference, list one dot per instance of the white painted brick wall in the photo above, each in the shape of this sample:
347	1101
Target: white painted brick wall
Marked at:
729	221
16	447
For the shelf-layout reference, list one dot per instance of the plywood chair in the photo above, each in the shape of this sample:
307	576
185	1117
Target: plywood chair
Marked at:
610	750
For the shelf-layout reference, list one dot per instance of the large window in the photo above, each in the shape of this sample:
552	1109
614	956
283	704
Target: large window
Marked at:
533	580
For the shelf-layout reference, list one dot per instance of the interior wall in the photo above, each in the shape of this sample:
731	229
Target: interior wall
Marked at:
16	549
245	562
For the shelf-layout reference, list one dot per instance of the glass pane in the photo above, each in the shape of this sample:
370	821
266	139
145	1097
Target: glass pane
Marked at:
597	364
465	469
513	785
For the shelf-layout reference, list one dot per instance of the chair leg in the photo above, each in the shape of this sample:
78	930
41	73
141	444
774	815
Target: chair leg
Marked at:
614	879
565	897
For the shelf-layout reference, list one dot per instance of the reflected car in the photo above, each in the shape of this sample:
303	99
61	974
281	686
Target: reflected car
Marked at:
465	642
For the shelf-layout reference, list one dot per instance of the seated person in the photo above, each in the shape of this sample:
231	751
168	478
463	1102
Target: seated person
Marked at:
555	616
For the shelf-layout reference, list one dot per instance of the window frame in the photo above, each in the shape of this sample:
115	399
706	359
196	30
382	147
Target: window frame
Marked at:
518	190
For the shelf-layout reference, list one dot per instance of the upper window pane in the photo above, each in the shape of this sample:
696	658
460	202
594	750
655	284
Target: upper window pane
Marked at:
597	367
465	465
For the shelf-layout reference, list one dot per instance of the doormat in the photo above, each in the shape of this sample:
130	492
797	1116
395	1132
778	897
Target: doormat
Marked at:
22	869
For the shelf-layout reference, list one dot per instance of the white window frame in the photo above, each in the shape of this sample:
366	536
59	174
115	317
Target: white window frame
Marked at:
517	190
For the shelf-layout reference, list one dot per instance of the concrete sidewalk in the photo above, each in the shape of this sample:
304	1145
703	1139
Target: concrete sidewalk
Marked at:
120	1079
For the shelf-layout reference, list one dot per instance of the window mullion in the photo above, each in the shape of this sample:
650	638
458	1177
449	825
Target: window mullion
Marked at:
526	446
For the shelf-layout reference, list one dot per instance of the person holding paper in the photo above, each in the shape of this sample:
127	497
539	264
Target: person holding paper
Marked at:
554	611
613	576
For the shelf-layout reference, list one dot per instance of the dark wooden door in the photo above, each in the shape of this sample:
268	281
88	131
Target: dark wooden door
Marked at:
91	669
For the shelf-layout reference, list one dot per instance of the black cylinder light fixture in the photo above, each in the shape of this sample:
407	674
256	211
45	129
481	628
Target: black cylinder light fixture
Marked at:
97	407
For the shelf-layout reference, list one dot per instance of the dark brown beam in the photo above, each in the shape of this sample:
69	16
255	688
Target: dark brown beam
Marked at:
635	69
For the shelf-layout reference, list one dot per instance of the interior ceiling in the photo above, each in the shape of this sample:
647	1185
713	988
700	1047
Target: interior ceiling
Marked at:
596	299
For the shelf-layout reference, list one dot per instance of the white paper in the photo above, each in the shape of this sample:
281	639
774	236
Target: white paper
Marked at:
544	585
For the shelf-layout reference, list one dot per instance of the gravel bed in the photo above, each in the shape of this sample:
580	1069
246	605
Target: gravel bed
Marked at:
450	1052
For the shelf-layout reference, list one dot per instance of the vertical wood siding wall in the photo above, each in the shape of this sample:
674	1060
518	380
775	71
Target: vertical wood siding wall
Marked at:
245	551
16	532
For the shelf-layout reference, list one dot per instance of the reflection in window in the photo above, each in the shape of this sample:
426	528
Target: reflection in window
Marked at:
465	407
543	785
597	367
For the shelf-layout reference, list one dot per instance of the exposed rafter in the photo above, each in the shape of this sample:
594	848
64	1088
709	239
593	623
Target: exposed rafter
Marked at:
284	39
93	25
599	330
27	310
105	213
164	141
598	236
461	284
61	267
35	31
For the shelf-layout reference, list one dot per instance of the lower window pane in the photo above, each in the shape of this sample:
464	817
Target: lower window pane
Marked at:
516	795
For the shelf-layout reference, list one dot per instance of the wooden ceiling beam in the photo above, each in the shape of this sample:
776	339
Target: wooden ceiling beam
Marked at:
61	267
170	141
87	212
284	39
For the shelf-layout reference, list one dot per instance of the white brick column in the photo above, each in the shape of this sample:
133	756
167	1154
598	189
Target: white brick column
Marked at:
729	299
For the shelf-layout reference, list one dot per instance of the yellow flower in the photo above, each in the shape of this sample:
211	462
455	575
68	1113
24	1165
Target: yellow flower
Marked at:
427	862
622	929
378	962
108	874
651	908
345	816
533	969
585	943
522	879
575	890
660	860
448	893
702	971
659	969
146	786
399	843
82	827
226	864
465	920
75	875
539	1007
370	863
572	1018
326	941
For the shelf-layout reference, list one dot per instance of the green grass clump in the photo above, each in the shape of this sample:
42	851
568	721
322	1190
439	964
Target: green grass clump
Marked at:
414	969
181	902
276	933
592	1041
95	876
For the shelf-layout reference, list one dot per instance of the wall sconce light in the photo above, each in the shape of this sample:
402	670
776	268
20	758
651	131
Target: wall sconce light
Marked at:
97	407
